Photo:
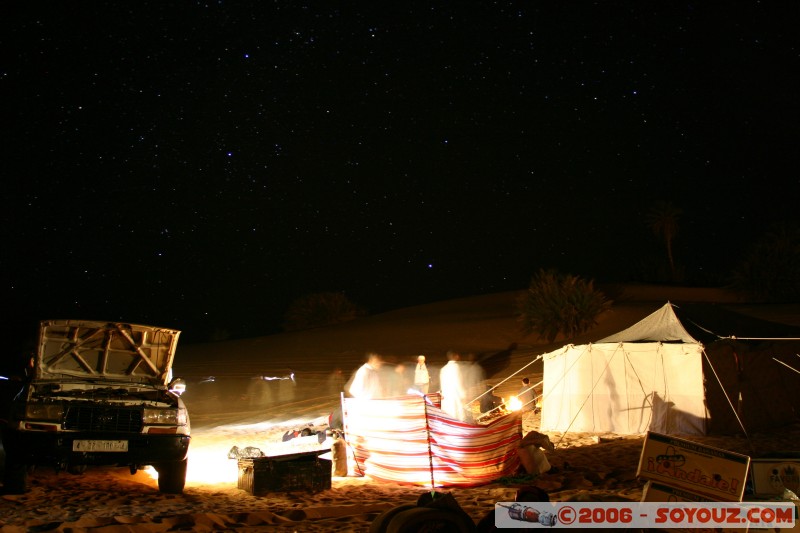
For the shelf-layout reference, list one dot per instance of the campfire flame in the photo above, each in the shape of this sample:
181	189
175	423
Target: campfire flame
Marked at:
207	465
514	404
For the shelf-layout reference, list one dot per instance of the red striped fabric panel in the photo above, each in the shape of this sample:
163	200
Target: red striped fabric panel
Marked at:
390	441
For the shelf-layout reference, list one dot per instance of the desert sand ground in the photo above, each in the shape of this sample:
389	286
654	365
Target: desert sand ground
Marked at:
237	410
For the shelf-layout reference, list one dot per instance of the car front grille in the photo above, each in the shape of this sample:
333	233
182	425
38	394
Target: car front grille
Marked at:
103	418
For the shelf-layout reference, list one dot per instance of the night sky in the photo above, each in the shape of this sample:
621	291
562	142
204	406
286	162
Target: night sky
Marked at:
199	165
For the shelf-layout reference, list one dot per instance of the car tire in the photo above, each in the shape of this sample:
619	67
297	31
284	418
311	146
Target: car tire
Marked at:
381	521
15	476
171	477
430	519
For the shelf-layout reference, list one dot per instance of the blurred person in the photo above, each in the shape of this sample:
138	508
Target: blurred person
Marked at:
397	380
526	395
451	382
259	392
490	401
473	377
336	382
422	378
367	380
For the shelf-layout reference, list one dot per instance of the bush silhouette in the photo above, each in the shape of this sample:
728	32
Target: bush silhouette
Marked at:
560	303
771	270
320	309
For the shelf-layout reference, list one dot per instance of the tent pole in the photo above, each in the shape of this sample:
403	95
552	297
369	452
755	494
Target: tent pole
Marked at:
727	399
346	432
430	452
484	393
787	366
499	406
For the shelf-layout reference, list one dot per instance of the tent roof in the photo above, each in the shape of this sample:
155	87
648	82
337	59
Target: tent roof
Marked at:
662	325
705	323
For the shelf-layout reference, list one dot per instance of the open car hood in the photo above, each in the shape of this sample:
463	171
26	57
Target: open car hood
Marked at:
112	351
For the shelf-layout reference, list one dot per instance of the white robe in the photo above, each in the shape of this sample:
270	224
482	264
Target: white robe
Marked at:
454	393
366	383
421	377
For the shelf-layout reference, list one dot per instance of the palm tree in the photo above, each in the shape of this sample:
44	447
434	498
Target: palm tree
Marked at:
663	220
560	303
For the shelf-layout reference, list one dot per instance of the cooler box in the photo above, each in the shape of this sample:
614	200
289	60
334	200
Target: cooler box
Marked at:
285	473
772	474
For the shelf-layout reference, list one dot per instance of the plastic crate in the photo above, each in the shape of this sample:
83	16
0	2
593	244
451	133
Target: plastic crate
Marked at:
285	473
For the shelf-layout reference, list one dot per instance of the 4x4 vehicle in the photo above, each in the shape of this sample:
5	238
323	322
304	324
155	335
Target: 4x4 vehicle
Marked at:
100	394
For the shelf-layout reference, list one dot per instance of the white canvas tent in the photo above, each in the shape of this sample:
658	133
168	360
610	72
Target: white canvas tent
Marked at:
656	376
629	383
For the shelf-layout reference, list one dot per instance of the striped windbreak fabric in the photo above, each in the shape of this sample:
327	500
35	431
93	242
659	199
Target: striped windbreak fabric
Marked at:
411	440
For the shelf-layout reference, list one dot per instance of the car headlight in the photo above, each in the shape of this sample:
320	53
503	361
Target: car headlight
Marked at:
177	386
164	417
44	411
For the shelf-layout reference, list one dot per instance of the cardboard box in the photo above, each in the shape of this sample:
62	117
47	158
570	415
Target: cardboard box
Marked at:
772	475
656	492
285	473
653	492
683	464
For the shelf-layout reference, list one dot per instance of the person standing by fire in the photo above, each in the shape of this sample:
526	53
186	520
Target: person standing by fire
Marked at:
527	395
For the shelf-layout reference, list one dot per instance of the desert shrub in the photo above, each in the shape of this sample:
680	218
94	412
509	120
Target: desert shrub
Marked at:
771	270
320	309
560	303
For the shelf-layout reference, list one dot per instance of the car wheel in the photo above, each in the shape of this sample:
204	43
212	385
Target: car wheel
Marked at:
171	477
430	519
382	520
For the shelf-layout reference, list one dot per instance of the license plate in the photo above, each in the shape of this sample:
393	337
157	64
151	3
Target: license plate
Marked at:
99	446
